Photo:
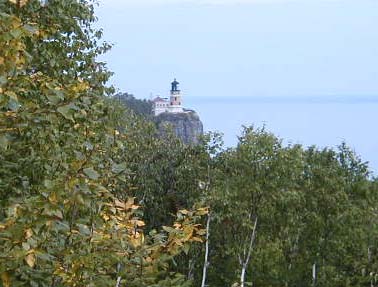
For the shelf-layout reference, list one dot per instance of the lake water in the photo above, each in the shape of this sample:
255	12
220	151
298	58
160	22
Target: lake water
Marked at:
309	121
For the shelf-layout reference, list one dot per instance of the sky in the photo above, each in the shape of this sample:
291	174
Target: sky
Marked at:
254	48
307	69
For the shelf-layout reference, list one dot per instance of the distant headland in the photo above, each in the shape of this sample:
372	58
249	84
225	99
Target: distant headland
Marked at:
168	113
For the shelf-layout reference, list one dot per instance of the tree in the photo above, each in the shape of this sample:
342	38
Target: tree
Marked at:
140	107
64	220
281	210
248	194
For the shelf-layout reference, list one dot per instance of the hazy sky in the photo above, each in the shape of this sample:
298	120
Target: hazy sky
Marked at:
243	47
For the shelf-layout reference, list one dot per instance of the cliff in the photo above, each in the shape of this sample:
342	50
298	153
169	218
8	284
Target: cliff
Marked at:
187	126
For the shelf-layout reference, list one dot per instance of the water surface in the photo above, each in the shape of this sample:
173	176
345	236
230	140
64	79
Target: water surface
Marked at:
306	120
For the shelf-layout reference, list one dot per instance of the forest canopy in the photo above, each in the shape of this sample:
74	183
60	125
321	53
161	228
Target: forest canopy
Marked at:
90	196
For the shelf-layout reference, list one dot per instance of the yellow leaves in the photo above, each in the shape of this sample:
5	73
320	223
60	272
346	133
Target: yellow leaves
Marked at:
197	239
23	2
128	205
28	233
138	223
185	230
30	258
202	211
77	164
11	114
41	33
53	198
121	222
15	22
188	232
20	3
119	203
177	225
5	279
119	214
137	239
79	87
11	95
60	271
13	56
35	76
105	217
198	212
100	236
7	224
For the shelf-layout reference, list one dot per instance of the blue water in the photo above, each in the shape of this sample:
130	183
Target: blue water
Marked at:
321	121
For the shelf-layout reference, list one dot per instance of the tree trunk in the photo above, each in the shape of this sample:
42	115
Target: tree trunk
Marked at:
191	266
206	262
118	281
244	261
119	278
242	276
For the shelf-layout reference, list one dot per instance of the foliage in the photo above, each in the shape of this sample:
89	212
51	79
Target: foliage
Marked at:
90	196
312	208
64	219
139	107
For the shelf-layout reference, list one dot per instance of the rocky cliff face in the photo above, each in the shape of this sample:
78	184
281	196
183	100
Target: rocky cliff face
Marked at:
187	126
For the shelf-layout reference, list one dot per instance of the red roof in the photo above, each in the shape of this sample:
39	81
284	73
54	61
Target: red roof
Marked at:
158	99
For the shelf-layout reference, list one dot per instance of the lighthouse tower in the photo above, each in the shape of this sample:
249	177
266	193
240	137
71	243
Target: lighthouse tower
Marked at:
175	105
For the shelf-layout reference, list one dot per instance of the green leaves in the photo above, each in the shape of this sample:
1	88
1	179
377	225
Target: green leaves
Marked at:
4	142
30	28
70	171
67	111
3	80
118	168
75	168
307	213
91	173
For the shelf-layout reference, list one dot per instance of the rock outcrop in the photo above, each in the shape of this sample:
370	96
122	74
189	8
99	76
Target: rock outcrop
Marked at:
187	125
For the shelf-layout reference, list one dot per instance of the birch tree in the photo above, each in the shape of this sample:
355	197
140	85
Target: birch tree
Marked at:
249	185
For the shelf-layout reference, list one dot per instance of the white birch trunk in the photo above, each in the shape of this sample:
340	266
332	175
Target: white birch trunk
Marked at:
118	281
119	277
206	262
244	261
242	276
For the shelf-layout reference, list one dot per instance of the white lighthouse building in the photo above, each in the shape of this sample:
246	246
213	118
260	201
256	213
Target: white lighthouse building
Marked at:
173	105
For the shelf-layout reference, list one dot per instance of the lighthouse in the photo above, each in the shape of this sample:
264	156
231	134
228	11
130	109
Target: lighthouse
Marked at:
175	105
